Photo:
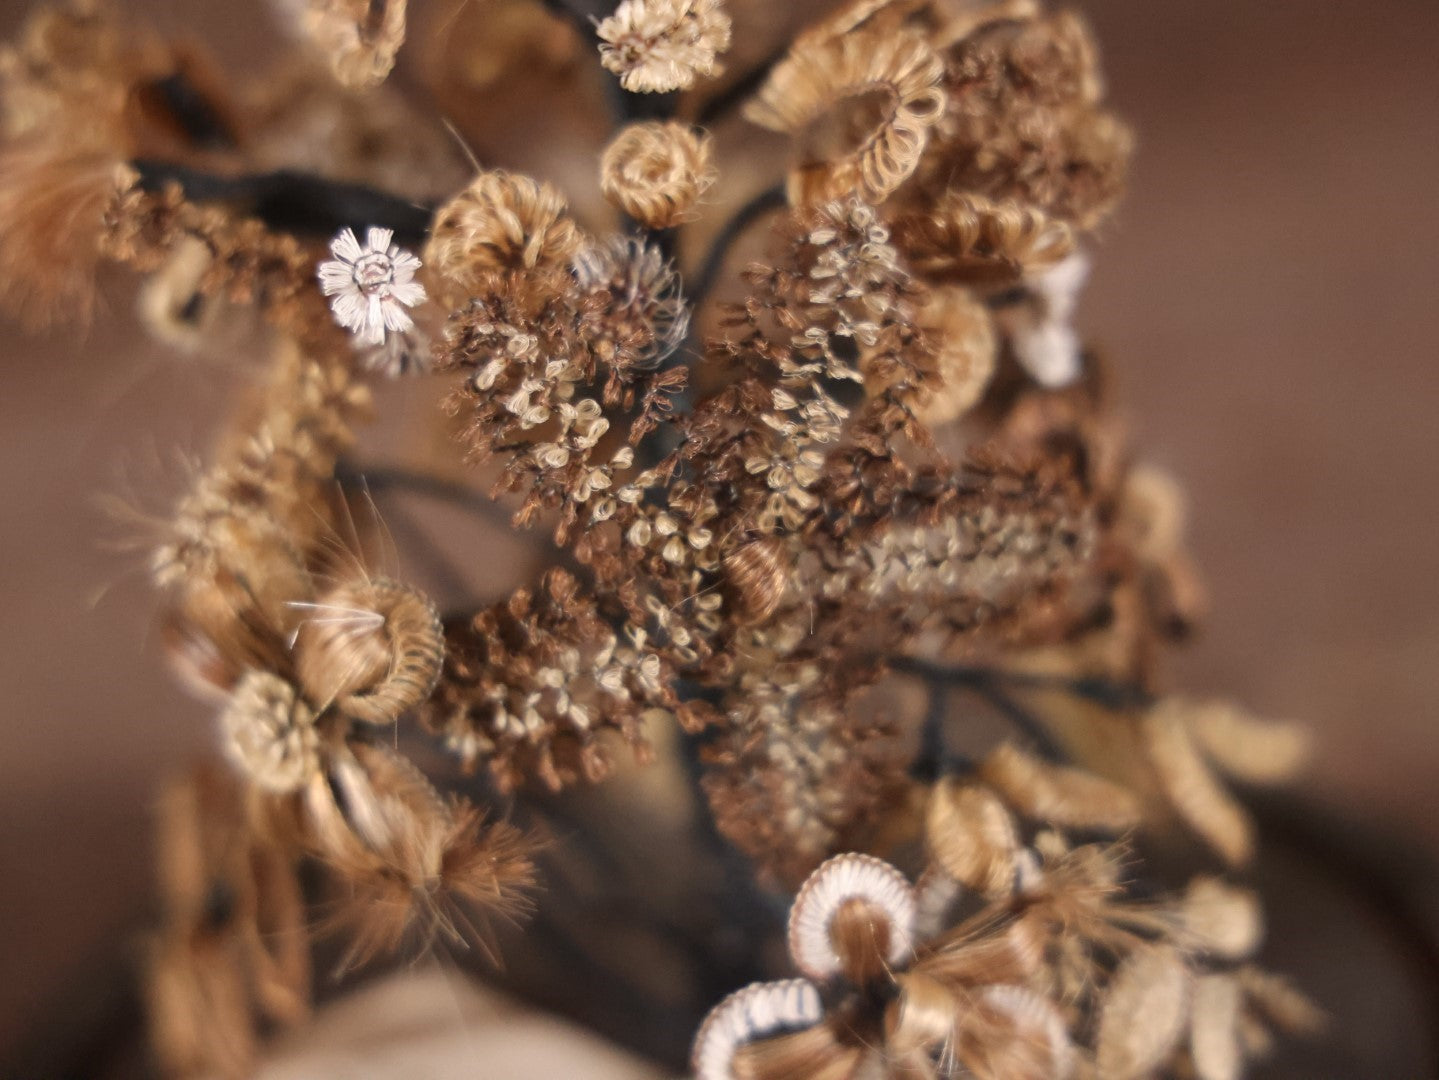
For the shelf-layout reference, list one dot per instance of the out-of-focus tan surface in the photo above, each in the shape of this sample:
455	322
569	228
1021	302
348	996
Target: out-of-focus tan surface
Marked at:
1266	294
440	1025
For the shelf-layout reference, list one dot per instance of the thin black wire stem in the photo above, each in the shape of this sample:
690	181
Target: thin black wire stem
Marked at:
296	202
1111	695
578	14
719	107
625	106
1028	725
203	123
766	202
932	760
393	477
989	685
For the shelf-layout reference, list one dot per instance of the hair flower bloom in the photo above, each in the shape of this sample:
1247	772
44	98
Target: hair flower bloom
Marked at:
371	285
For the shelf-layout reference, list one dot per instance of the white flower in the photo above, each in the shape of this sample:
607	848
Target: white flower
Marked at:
371	285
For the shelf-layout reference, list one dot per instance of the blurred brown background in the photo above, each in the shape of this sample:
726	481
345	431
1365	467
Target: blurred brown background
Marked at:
1267	294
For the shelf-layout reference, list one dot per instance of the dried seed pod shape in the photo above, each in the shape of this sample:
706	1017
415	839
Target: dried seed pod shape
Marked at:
864	105
270	732
1220	919
656	46
853	916
1281	1004
501	221
754	1012
1145	1008
1259	751
373	649
655	171
1058	795
758	572
972	836
1214	1028
1191	786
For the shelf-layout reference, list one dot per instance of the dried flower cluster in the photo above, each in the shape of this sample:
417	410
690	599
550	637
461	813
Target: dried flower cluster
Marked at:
927	980
655	46
792	527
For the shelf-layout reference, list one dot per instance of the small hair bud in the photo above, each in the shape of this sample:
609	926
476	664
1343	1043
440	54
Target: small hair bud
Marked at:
501	221
641	317
757	1011
373	649
825	90
853	916
270	733
359	38
656	171
758	573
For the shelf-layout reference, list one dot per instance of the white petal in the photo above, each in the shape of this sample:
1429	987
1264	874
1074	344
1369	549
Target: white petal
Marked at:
396	317
408	293
405	264
349	308
336	277
378	240
345	246
372	330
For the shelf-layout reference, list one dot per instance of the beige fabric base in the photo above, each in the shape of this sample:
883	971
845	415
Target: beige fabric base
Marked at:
433	1024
